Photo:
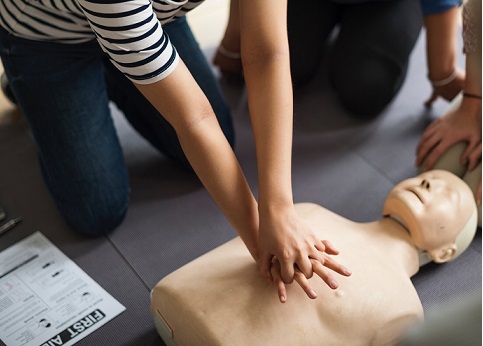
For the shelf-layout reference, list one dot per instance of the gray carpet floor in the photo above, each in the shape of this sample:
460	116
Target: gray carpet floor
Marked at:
341	164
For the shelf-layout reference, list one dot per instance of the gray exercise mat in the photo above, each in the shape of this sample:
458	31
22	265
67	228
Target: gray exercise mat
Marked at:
344	165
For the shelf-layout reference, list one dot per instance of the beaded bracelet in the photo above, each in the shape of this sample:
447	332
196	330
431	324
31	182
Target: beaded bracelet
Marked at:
473	96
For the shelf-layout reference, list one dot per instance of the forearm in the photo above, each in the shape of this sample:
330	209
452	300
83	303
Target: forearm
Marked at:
180	100
266	66
217	167
231	39
270	104
472	45
473	75
441	38
471	104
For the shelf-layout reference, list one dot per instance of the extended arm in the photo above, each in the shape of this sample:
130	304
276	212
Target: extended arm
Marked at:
462	124
266	64
441	37
207	149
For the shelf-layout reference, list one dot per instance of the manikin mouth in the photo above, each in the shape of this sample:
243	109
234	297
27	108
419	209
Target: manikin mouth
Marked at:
416	194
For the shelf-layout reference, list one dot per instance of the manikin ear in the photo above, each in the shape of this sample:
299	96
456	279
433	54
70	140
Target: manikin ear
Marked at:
443	254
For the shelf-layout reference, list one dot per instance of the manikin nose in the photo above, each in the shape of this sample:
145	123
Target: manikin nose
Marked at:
425	184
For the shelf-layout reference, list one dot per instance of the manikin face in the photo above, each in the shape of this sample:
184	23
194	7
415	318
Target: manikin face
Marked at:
434	206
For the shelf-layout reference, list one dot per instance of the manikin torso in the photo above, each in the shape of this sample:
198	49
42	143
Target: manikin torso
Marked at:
221	299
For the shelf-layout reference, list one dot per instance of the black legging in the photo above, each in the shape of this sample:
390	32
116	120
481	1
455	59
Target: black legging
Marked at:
370	55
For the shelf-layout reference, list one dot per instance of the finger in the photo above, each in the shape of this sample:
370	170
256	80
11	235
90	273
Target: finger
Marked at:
436	153
304	283
429	102
432	129
264	265
470	147
425	148
317	256
330	248
320	245
281	289
335	266
325	275
472	155
474	159
287	271
305	266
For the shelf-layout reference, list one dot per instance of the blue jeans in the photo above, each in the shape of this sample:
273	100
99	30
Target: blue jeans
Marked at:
64	92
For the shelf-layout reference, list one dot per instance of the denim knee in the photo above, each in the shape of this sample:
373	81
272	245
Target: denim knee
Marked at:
91	207
93	218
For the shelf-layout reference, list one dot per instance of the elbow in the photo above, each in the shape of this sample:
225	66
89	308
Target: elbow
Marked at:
256	56
184	125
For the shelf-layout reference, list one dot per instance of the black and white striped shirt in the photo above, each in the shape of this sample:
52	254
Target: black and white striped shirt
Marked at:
130	31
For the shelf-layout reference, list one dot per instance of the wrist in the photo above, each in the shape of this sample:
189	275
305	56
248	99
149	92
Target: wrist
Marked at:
272	210
442	79
474	96
229	53
471	105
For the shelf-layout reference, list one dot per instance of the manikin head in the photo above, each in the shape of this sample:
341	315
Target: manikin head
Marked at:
439	211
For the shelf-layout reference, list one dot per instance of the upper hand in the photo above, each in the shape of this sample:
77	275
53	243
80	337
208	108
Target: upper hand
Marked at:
295	246
284	235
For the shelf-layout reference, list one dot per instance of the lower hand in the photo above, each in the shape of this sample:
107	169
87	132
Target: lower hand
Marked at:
460	125
319	268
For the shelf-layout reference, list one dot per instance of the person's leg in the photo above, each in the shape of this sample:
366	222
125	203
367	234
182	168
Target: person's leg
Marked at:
309	25
61	91
146	119
371	54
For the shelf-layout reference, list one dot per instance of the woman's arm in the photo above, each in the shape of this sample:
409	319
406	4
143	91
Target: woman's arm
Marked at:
441	38
266	65
463	124
180	100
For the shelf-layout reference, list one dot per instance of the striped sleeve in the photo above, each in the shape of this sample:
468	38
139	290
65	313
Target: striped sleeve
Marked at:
131	34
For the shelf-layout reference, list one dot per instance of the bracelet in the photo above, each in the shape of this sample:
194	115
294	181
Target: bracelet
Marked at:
473	96
228	54
445	81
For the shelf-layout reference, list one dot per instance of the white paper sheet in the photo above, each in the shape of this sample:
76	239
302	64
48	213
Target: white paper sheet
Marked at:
46	299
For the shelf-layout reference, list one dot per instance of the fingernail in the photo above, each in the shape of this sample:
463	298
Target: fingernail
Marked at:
313	294
283	299
333	284
347	271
